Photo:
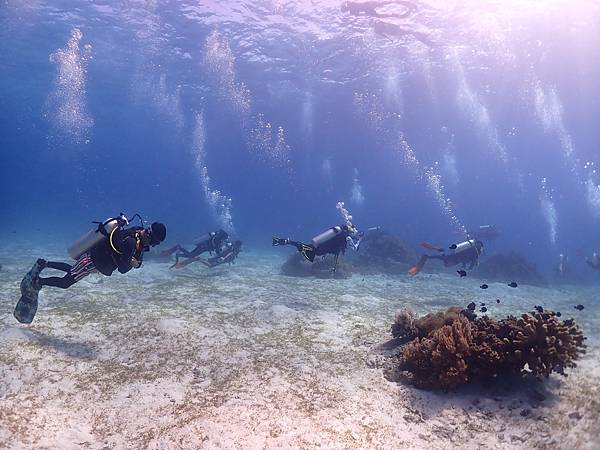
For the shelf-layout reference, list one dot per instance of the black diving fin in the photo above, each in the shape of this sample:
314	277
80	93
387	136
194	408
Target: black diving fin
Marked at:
280	241
27	305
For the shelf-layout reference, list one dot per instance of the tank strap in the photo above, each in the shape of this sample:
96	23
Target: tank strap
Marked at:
110	239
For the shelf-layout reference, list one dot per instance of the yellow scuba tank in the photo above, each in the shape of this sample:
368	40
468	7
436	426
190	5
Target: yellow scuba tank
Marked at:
96	235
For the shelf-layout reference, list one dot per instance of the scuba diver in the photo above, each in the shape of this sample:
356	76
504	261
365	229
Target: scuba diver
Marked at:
562	269
108	247
330	242
226	254
467	252
369	8
594	261
210	242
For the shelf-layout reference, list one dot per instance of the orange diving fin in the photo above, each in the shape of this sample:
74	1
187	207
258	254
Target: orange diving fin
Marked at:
418	267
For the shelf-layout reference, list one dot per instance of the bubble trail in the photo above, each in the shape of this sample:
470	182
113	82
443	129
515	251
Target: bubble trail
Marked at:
219	204
66	105
548	208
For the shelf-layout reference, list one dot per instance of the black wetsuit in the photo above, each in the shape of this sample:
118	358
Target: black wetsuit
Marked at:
101	258
210	243
334	246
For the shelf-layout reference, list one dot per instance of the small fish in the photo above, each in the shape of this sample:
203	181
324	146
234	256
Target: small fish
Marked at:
471	306
484	286
482	304
513	284
462	273
453	247
497	300
578	307
539	309
483	309
558	314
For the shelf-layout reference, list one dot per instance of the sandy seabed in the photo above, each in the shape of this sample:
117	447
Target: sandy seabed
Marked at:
242	357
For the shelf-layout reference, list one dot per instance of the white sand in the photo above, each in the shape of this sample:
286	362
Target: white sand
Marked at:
242	357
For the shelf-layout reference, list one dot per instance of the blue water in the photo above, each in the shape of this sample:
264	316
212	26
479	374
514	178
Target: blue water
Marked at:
426	118
447	117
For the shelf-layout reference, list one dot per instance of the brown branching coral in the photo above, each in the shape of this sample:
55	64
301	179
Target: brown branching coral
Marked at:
448	349
440	360
408	326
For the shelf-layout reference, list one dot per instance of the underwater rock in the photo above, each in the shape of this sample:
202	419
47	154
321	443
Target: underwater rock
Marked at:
458	349
381	252
509	267
297	266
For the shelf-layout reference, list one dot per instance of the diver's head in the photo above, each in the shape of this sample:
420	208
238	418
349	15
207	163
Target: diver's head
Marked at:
154	235
221	235
349	228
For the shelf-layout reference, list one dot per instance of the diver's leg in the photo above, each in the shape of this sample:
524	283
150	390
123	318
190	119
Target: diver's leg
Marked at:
183	253
187	262
81	269
60	282
170	251
59	266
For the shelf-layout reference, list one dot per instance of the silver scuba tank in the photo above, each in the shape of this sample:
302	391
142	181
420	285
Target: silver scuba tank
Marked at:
463	246
95	236
326	236
204	238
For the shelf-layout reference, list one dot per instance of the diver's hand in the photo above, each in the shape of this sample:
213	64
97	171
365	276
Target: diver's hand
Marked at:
135	263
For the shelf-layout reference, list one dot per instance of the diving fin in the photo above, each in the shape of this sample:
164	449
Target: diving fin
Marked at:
27	305
280	241
307	251
418	267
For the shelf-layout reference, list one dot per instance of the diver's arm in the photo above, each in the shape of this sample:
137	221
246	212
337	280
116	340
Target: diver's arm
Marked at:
222	259
125	260
354	244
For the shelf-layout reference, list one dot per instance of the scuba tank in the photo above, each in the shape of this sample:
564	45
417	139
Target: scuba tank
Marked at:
96	235
463	246
204	238
326	236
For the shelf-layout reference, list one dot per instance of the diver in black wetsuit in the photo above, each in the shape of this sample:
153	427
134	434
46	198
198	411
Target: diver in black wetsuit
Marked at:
369	8
226	254
467	252
122	251
210	242
331	242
